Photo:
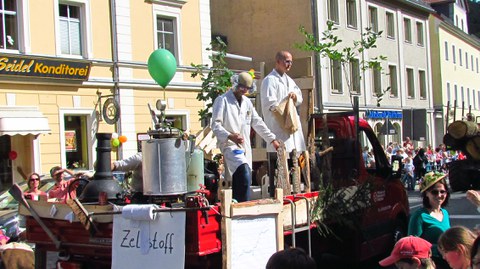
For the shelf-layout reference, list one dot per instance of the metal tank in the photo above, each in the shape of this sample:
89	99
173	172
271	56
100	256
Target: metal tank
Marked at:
164	167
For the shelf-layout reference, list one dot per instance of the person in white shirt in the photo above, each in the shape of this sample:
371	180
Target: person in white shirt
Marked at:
233	116
276	87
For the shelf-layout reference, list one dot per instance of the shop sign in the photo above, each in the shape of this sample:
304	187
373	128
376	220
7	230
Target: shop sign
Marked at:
37	67
383	114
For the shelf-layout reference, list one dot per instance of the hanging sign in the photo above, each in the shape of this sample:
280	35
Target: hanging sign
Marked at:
165	242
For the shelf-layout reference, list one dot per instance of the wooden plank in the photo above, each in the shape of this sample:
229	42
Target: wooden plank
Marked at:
306	172
283	177
45	210
226	199
296	173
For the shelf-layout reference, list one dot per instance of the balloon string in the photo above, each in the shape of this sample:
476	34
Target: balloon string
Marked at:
164	94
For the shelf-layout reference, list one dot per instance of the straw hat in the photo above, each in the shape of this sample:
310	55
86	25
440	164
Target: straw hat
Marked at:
430	179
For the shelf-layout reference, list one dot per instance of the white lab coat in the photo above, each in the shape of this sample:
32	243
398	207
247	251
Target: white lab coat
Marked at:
273	91
229	117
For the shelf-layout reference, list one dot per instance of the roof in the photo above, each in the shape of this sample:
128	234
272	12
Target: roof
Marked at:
439	1
421	4
22	120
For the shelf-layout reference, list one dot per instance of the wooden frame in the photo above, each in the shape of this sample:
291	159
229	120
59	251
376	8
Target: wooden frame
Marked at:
246	211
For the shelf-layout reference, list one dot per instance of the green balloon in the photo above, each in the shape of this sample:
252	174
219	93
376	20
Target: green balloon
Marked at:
162	66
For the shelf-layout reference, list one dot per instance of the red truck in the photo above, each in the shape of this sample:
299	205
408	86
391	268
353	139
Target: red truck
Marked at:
373	233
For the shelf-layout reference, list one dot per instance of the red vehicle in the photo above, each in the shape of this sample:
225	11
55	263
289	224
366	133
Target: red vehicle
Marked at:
372	233
386	219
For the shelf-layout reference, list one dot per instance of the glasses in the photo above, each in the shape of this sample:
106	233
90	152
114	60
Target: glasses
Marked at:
245	87
34	178
436	192
288	61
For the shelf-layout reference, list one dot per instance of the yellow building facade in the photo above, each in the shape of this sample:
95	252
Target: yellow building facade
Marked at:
83	53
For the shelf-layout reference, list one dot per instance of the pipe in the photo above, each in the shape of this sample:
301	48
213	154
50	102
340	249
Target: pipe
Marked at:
235	56
316	58
116	91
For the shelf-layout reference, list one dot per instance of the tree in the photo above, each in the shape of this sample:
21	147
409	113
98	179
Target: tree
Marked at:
342	206
328	46
216	81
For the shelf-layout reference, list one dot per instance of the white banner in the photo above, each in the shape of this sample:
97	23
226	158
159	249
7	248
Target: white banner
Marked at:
165	244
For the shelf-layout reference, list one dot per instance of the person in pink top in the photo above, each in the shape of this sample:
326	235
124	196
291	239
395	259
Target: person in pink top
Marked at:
33	191
61	189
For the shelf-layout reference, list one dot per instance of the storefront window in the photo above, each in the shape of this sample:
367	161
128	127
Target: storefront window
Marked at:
76	142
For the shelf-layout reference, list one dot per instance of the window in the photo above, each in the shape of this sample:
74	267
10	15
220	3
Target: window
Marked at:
420	40
446	51
377	81
468	97
460	56
478	93
336	76
392	71
166	34
390	19
355	75
373	19
455	91
410	83
70	29
466	60
448	92
408	30
471	61
453	54
333	10
352	13
473	99
422	79
9	39
462	94
476	63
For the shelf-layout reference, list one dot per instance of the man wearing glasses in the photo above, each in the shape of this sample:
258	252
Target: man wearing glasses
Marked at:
276	87
233	116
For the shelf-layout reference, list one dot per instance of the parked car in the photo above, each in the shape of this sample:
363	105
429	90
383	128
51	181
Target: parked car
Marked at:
9	219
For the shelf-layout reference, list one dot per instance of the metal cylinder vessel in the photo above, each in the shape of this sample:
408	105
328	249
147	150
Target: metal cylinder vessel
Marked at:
164	167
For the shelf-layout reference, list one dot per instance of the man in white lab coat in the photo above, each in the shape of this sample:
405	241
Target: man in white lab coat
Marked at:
276	87
232	118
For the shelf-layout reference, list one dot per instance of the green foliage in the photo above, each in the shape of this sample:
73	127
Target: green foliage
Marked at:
215	80
342	206
328	45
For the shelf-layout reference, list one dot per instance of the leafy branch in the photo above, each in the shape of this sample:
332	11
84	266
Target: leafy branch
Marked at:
343	206
328	45
215	80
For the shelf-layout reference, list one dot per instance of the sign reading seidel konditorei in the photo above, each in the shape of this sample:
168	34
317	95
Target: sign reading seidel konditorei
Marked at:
44	68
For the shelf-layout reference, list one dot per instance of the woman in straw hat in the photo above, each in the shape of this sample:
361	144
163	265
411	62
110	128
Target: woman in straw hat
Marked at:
430	221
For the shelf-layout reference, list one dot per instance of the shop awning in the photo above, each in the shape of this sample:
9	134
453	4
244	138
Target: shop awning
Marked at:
22	120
